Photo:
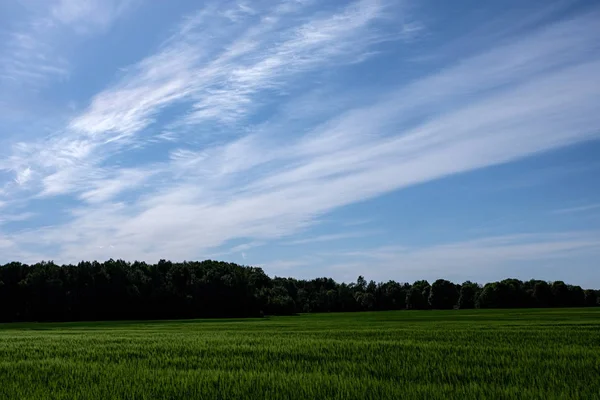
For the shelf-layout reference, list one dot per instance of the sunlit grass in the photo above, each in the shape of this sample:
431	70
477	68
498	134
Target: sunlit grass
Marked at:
477	354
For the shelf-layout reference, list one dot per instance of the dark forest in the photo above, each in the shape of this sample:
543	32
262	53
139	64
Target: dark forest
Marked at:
116	290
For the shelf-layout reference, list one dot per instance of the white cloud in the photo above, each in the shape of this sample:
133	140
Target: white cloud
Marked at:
34	47
523	256
221	84
23	176
245	247
86	16
16	217
187	69
579	209
333	237
105	189
509	102
29	59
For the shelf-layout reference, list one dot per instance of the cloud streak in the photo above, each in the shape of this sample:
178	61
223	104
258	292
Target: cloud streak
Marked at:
88	16
495	257
188	70
332	237
34	49
579	209
260	179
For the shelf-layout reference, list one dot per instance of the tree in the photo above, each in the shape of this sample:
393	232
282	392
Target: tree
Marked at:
425	289
415	299
117	289
488	298
361	284
443	295
392	296
591	298
513	294
496	295
278	301
560	294
542	294
366	300
576	296
468	295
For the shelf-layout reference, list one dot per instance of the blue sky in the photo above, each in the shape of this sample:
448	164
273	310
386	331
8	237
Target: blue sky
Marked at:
394	139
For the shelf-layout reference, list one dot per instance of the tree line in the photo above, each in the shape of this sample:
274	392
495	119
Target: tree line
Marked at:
115	290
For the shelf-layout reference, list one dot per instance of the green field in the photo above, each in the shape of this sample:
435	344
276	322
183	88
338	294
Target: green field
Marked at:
465	354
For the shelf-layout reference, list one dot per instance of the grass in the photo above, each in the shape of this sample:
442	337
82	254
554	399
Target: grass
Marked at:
466	354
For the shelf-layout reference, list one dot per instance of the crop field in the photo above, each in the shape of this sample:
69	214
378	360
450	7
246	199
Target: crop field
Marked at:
462	354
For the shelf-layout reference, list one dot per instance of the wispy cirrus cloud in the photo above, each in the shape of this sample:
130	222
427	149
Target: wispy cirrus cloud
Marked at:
219	83
261	178
570	210
188	68
17	217
34	43
88	16
28	59
492	258
333	237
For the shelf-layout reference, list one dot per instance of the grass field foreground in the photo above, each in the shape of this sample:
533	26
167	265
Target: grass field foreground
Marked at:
465	354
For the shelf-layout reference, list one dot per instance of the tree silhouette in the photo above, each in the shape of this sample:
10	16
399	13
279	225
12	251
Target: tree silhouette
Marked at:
443	295
116	289
468	295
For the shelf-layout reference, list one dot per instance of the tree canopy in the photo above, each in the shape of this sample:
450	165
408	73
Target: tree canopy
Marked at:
115	290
